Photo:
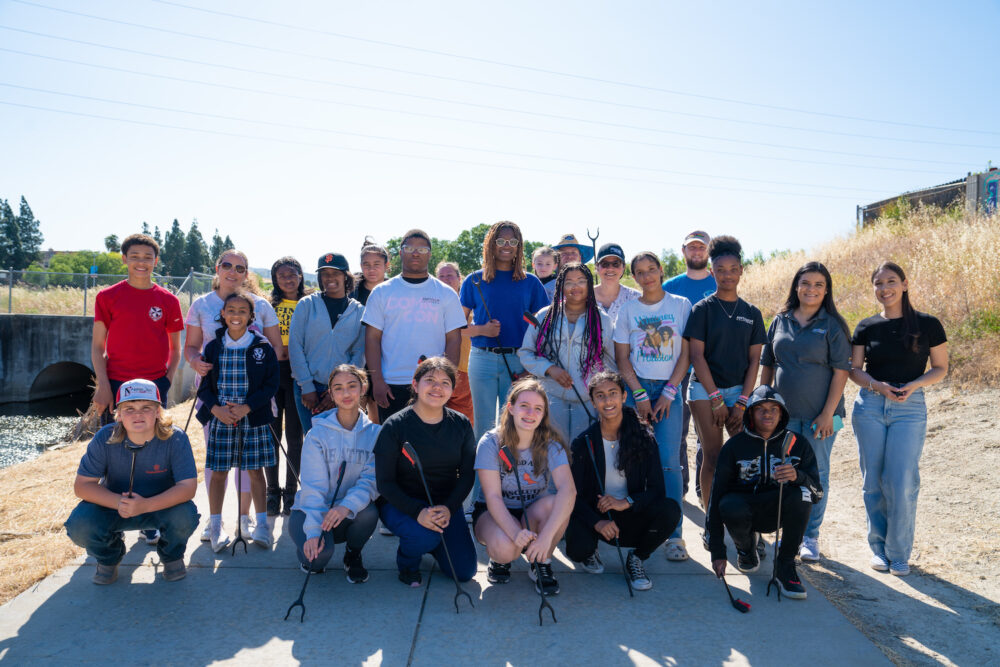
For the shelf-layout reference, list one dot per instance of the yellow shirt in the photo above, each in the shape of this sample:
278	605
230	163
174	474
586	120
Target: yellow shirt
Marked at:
284	311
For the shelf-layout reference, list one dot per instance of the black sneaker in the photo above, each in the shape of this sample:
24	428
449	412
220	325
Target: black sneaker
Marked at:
637	573
273	503
545	581
747	561
305	568
498	573
288	500
788	580
355	567
761	547
410	577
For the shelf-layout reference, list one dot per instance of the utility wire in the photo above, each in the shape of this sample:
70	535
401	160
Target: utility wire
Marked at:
482	83
287	96
493	107
430	144
571	75
412	156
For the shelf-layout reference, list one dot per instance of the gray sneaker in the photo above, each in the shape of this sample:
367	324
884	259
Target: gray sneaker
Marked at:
637	573
174	570
105	574
592	564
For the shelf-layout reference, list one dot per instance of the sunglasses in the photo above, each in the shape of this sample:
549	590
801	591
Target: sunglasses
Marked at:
417	249
229	266
612	264
508	243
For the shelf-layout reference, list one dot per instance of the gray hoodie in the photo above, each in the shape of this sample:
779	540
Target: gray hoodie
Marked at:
326	445
314	349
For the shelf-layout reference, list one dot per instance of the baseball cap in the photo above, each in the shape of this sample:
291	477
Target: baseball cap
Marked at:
138	390
611	250
700	236
332	260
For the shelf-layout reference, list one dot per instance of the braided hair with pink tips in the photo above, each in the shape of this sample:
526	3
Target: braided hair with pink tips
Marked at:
549	341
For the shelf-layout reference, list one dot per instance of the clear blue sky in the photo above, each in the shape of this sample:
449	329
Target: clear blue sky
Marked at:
646	119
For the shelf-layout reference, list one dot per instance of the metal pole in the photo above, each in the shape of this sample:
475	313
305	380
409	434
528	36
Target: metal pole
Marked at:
190	286
86	281
10	291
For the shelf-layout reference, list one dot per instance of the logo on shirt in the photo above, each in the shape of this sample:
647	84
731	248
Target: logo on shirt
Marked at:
157	469
155	313
819	331
527	479
430	299
258	354
744	320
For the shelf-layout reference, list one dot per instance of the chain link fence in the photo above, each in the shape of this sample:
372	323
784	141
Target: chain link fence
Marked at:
53	293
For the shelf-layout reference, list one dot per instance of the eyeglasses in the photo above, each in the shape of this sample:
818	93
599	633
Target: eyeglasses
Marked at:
229	266
507	243
417	249
612	264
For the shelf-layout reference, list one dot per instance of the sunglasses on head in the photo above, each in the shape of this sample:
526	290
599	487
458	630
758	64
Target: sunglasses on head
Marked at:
229	266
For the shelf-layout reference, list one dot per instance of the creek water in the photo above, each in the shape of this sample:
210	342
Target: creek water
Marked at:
26	429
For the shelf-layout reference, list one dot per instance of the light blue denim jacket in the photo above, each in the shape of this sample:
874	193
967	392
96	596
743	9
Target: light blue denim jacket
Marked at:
326	445
569	354
314	349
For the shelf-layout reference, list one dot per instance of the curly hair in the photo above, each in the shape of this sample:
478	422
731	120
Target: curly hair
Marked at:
725	246
544	434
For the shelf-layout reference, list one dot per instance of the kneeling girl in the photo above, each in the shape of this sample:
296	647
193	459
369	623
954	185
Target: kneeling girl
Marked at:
319	520
542	466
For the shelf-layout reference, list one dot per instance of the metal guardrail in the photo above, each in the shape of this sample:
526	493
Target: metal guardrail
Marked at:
193	284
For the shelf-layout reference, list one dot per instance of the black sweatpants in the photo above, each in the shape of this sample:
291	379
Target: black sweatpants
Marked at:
400	399
288	416
643	531
747	513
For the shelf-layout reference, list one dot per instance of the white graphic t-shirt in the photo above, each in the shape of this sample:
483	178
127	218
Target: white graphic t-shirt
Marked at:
654	334
413	319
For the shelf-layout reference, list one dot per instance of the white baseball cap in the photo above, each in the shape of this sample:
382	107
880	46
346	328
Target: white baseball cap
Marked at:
138	390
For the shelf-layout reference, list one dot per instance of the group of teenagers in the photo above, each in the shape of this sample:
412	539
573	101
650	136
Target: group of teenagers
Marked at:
538	406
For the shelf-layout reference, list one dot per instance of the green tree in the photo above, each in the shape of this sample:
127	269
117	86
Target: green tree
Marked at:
467	249
227	243
195	250
529	248
673	264
29	234
157	237
111	242
439	253
218	245
145	228
172	250
10	243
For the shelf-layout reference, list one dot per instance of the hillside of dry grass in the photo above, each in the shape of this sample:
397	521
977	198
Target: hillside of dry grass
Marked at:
952	262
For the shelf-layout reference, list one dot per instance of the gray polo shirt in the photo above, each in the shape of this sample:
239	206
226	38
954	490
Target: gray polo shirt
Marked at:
804	359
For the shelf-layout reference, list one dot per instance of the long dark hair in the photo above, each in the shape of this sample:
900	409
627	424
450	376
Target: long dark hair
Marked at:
911	327
276	294
549	342
636	442
792	302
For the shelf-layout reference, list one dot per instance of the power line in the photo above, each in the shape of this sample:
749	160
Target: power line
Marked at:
412	156
308	128
532	91
468	120
492	107
542	70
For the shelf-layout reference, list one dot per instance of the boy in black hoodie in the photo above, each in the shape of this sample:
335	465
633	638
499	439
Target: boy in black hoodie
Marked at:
751	469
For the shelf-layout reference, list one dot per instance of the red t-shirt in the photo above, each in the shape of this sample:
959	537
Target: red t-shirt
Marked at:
139	322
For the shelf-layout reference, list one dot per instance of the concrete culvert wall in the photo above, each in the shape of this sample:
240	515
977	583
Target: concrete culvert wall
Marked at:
60	379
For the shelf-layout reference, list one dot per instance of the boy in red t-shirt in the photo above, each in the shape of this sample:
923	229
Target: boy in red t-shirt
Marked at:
137	327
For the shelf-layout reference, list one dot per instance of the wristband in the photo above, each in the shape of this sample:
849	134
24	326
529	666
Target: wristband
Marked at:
742	400
640	399
639	394
715	394
716	406
669	392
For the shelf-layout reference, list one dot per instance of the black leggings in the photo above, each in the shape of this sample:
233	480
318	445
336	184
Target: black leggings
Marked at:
643	530
287	413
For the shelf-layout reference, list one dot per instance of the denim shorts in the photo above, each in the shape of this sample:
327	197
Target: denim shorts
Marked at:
730	395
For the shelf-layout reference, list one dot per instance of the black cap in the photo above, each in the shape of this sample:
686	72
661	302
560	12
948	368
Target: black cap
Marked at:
332	260
611	250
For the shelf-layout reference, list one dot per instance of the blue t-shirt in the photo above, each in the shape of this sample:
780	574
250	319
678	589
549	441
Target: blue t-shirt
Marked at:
159	464
507	300
692	290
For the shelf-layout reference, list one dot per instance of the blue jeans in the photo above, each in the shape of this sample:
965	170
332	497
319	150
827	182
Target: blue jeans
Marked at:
305	417
99	530
489	382
570	416
415	541
668	440
890	439
822	449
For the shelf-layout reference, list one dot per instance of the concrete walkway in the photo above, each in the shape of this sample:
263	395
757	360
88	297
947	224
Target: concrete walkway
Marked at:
230	608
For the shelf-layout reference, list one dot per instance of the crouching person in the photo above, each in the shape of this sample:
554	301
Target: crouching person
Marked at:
747	484
320	519
618	455
137	474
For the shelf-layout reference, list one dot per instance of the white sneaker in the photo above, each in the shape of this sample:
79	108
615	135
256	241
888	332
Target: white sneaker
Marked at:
675	549
262	535
879	563
809	551
246	528
219	540
384	530
206	535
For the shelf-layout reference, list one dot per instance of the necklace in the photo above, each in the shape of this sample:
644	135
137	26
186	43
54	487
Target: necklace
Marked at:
735	308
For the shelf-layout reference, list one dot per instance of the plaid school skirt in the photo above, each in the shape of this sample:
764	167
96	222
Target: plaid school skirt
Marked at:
255	445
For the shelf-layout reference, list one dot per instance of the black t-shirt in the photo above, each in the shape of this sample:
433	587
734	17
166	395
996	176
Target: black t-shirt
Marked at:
361	293
728	329
889	358
335	308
